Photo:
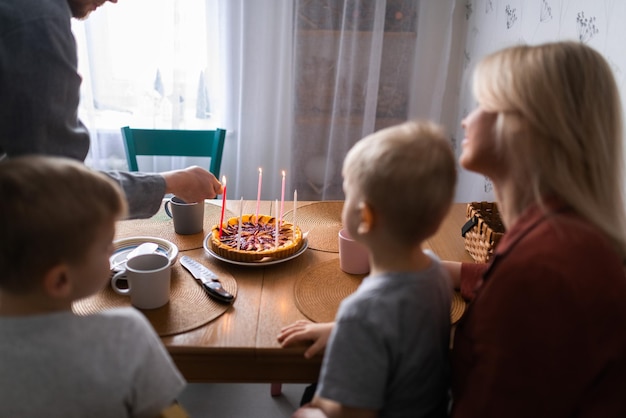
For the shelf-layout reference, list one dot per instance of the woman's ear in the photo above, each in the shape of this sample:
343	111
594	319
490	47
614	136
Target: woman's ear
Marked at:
366	222
56	283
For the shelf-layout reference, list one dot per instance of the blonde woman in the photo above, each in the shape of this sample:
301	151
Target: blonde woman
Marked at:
545	333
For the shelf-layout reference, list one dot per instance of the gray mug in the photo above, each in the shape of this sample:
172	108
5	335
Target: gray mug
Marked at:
188	217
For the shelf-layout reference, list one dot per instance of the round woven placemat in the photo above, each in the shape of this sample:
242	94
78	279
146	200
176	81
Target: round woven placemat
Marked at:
162	226
189	306
320	290
458	307
322	222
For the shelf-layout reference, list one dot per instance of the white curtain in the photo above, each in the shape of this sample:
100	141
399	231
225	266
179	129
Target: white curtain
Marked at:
294	83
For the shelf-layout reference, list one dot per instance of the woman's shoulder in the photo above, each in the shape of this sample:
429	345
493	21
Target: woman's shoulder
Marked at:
556	230
568	233
562	247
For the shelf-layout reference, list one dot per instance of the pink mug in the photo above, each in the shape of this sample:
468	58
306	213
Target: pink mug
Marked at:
353	256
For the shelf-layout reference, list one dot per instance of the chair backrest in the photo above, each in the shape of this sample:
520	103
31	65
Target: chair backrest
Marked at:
172	142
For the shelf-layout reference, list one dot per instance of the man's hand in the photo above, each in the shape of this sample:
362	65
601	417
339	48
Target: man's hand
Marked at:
305	332
192	184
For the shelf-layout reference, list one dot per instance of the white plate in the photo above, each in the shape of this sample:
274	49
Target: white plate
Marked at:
125	245
268	261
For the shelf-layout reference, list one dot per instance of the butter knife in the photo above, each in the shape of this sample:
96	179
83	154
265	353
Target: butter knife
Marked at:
207	279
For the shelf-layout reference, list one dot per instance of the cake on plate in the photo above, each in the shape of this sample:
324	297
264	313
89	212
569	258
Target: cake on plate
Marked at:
257	239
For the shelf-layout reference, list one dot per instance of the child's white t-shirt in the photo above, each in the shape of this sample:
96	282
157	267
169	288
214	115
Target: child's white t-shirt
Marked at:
110	364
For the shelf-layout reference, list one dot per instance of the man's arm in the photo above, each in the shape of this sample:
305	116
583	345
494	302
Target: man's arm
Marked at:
144	191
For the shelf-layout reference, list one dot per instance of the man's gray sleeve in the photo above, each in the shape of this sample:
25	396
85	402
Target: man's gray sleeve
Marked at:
144	192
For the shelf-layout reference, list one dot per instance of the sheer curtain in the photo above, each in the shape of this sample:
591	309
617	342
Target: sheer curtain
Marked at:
361	66
145	63
294	83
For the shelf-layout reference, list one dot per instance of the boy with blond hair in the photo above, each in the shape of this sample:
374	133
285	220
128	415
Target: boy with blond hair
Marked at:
57	223
387	355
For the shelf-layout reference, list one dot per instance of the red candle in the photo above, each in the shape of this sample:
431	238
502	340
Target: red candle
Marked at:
258	194
282	199
223	204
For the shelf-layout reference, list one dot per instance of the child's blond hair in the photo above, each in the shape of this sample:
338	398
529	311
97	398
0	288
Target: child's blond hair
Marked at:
407	174
52	209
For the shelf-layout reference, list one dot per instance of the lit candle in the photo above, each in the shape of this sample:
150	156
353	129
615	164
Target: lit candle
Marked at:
282	198
295	204
223	204
258	194
240	220
276	223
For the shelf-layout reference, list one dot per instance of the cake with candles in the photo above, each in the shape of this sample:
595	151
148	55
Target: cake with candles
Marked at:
255	239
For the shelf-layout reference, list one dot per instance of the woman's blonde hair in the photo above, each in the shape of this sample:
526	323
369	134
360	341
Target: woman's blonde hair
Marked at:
407	174
559	127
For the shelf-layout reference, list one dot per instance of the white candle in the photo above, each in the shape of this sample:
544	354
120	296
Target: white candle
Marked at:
282	198
258	194
276	223
295	204
240	220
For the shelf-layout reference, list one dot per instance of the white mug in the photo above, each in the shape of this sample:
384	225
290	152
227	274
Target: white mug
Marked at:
148	277
353	256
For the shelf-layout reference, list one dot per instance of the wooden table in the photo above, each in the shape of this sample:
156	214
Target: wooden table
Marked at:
240	345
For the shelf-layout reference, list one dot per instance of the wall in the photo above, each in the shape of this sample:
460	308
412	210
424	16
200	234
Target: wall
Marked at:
495	24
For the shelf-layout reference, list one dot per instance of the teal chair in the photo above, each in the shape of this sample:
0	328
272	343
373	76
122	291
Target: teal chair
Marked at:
172	142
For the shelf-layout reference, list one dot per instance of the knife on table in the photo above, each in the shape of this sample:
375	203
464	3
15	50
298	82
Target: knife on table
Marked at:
207	279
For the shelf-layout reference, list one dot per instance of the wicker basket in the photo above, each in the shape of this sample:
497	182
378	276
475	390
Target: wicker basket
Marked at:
483	230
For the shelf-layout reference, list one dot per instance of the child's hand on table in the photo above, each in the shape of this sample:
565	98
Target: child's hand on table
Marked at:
304	331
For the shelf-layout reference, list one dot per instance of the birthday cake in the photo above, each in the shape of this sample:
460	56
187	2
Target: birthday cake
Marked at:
256	240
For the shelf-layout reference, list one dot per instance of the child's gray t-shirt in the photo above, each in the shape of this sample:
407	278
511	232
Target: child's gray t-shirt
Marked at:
389	348
110	364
